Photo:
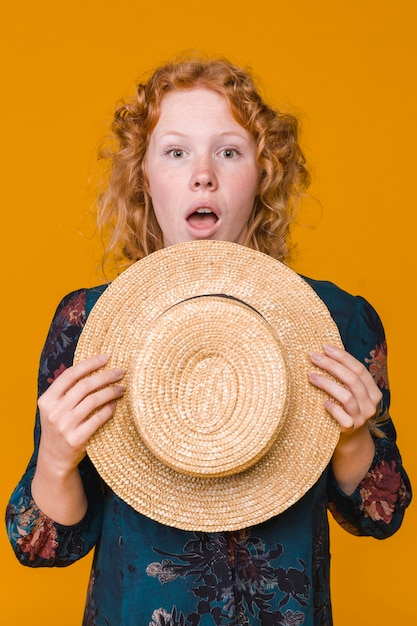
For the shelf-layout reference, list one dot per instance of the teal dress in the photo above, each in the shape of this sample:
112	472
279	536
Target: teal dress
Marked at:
273	574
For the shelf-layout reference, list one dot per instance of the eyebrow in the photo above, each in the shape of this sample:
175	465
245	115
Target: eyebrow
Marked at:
178	133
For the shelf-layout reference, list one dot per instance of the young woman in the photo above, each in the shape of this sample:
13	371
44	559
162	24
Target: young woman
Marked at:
200	156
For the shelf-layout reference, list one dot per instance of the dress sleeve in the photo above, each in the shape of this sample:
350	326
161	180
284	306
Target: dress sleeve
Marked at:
377	506
37	540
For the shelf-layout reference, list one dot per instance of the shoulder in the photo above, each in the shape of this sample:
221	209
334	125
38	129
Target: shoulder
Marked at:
64	332
92	295
329	292
76	305
347	310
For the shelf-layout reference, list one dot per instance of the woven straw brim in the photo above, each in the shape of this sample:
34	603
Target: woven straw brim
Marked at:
219	428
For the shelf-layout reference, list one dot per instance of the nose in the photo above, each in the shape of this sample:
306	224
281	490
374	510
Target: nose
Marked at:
204	177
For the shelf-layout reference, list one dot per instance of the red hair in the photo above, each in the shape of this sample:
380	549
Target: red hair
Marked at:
125	213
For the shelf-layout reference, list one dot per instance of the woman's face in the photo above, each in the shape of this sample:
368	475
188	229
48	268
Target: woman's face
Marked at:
202	170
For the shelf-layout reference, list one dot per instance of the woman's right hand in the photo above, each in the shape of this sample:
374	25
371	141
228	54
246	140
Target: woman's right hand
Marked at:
76	404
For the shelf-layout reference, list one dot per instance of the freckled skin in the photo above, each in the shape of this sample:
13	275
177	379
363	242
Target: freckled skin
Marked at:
198	157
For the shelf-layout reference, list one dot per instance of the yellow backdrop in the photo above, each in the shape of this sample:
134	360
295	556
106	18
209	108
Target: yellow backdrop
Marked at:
348	68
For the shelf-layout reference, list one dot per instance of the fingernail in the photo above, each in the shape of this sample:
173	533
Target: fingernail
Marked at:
316	356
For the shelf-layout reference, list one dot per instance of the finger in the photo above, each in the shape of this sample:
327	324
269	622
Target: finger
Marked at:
73	374
332	387
345	421
89	385
350	372
340	364
354	365
85	397
74	441
97	419
341	405
356	403
94	401
74	386
68	409
71	426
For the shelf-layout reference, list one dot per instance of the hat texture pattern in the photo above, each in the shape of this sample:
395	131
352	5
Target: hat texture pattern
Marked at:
219	428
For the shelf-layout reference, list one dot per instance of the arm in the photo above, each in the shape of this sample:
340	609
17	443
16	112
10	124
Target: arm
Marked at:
59	520
79	393
352	404
368	488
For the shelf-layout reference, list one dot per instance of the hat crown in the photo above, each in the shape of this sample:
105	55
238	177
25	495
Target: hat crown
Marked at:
203	400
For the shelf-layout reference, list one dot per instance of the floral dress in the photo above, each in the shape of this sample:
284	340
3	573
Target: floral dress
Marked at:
273	574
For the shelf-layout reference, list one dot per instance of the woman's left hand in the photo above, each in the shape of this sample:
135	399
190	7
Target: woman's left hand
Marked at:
354	399
354	395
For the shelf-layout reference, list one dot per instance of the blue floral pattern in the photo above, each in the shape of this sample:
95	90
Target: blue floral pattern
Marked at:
257	580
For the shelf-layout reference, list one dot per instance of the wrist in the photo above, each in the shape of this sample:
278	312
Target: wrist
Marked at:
358	442
53	463
352	459
59	493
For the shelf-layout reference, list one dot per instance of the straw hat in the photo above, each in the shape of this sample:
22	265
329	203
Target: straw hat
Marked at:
219	428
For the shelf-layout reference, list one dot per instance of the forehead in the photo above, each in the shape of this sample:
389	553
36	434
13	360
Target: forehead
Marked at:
195	106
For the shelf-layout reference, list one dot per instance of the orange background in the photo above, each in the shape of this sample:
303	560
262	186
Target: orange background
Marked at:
348	68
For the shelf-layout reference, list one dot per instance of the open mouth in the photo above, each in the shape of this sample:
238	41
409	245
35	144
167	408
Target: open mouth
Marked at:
202	218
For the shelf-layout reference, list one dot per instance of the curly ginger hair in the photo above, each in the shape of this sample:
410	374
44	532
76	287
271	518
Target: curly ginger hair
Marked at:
125	213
